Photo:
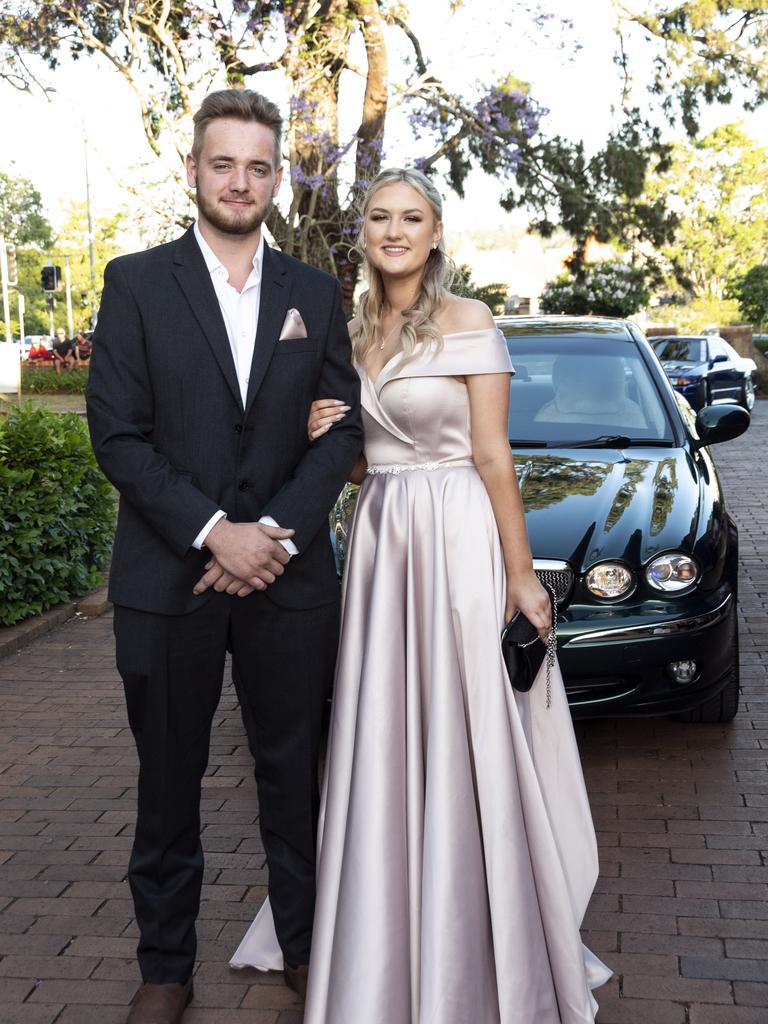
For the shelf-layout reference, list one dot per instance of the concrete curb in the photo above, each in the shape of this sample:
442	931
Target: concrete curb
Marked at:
13	638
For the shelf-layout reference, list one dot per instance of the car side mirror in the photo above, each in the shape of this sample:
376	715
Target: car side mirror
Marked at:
721	357
716	423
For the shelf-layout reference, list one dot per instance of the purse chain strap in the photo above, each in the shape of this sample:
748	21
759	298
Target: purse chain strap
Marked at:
550	643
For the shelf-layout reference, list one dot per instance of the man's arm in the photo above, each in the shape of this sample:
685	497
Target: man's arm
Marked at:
303	502
121	417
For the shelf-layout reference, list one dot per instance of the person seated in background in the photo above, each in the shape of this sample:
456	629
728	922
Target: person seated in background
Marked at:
63	351
83	349
39	353
588	389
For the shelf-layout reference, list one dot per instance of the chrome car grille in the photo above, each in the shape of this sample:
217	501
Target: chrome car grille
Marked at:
556	575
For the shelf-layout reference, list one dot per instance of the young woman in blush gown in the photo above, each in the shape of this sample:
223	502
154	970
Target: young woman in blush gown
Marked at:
456	852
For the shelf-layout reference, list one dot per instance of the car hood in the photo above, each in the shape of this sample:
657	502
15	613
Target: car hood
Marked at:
674	367
587	506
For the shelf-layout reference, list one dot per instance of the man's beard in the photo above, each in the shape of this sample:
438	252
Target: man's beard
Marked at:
244	224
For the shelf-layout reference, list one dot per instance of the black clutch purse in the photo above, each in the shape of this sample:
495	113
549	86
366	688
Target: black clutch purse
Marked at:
524	652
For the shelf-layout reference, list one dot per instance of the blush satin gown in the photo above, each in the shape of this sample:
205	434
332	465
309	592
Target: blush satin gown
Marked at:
457	852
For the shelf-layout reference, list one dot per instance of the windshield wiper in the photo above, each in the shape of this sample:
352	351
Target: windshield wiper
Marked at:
615	441
602	441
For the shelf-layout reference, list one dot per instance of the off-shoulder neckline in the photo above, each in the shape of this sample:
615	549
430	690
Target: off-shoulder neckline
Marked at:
397	355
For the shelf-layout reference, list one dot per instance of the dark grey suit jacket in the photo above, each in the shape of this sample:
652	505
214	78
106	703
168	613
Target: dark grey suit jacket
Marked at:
169	429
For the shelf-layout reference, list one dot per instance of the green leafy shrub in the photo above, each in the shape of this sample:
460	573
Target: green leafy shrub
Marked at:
57	512
493	295
41	381
605	289
751	292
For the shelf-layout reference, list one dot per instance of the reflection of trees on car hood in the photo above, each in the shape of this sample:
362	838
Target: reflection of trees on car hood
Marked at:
548	479
664	490
615	505
633	474
661	479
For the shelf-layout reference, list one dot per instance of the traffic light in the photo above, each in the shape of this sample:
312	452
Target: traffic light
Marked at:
13	270
50	278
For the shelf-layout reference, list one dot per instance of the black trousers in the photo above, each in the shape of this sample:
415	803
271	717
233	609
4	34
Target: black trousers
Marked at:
172	668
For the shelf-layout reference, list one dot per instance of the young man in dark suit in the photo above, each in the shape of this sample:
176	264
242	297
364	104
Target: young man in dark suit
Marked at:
207	355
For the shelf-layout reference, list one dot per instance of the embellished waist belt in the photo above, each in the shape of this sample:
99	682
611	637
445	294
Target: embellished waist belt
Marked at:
380	468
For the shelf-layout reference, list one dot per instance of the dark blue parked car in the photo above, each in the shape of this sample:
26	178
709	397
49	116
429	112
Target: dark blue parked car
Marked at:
706	370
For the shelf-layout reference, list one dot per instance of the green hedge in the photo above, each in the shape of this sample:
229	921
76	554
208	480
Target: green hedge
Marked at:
44	381
57	512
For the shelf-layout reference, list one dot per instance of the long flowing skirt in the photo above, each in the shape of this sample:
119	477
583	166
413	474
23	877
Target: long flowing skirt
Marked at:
457	850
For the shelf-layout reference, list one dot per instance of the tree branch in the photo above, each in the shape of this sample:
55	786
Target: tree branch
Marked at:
371	129
421	64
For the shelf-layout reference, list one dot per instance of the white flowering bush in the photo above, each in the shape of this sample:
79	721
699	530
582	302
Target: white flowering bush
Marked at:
606	289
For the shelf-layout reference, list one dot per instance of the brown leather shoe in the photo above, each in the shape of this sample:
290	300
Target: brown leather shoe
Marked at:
296	979
160	1004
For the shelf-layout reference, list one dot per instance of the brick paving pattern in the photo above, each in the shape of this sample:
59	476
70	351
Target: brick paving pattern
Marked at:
680	910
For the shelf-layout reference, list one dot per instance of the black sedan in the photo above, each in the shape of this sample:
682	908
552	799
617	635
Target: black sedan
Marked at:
706	370
626	519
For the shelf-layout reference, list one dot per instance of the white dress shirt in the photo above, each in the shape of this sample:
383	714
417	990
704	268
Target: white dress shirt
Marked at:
240	311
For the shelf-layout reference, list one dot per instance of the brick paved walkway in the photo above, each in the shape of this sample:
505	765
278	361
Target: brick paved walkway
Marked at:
680	910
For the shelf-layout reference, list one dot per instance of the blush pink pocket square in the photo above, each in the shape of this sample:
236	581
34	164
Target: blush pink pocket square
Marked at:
293	326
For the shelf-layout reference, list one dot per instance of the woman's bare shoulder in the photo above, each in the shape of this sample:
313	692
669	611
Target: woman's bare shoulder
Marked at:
462	314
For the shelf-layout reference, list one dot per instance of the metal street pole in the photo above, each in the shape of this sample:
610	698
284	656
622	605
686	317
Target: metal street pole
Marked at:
4	275
91	260
22	311
94	310
68	286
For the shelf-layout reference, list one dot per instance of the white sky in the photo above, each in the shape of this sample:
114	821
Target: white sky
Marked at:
43	138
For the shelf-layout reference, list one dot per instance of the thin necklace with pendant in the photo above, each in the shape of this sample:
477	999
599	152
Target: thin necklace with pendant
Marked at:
387	336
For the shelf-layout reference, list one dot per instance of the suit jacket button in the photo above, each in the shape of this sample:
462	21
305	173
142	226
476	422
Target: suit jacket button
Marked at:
243	485
238	428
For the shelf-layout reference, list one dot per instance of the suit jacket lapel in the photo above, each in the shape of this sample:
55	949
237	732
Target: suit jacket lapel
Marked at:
195	282
275	293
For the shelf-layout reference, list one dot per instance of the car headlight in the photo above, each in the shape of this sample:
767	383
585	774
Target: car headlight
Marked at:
672	572
609	579
683	382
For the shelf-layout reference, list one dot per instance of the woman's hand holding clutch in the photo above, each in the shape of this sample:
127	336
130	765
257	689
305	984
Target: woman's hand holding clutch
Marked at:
527	595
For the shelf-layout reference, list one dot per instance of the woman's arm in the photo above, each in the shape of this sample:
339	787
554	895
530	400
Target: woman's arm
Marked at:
489	406
323	413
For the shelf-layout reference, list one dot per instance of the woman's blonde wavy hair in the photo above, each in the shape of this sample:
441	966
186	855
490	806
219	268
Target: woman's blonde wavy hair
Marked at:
419	330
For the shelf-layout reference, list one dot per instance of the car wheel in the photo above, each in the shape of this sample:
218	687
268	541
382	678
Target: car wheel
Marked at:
724	706
747	396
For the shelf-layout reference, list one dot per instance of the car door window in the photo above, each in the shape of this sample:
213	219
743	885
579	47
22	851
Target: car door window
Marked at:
680	350
717	347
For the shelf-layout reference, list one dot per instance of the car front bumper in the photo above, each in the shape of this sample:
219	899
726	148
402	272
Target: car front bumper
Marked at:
615	660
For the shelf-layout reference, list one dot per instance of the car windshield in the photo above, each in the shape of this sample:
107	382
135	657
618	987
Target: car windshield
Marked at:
681	350
579	390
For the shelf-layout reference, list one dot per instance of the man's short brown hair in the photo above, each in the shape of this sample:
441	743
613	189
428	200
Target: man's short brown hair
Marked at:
243	104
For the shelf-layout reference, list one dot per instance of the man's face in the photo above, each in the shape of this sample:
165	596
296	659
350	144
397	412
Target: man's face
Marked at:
235	175
61	334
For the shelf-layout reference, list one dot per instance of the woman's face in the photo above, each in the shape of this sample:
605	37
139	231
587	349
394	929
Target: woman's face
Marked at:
400	230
